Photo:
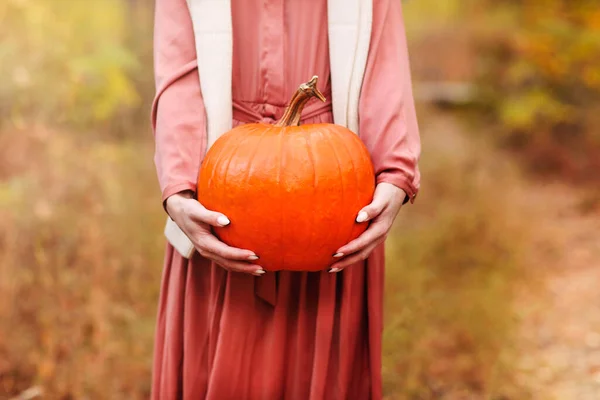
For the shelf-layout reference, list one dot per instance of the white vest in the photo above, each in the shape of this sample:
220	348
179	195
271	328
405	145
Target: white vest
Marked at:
349	28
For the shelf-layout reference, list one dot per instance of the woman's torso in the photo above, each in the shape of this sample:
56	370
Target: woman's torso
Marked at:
277	45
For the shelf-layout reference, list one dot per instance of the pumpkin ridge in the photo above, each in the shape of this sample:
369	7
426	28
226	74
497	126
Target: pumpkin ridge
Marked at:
232	157
344	145
366	156
337	135
256	149
208	159
221	158
341	174
344	199
311	157
282	137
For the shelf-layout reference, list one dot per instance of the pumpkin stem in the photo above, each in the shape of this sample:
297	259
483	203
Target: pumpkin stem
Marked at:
305	92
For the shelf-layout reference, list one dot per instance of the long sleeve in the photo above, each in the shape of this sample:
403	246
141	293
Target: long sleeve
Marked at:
178	116
388	121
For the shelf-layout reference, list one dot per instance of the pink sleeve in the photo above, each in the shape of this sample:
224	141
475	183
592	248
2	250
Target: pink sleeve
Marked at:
178	117
388	121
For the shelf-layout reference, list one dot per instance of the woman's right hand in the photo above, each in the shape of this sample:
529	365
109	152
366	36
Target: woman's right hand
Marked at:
195	221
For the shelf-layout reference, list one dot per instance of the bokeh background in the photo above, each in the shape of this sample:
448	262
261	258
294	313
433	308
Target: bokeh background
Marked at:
492	274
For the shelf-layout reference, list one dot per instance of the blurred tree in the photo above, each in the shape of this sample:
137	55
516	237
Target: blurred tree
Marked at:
545	63
540	78
63	67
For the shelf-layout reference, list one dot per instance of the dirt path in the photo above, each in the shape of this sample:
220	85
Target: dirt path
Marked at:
561	322
559	309
560	333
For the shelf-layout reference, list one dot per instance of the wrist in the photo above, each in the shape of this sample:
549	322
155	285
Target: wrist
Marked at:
396	191
174	203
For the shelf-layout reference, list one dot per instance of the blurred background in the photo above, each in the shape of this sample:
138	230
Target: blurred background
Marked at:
492	273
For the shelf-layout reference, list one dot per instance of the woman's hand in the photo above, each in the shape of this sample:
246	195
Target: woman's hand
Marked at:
195	221
382	211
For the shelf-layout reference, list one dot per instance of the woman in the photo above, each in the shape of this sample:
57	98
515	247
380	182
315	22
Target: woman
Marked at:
226	329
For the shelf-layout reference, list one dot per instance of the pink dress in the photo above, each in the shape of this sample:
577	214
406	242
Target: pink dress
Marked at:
313	336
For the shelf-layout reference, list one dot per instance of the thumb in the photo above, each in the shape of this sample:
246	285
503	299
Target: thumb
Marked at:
199	213
372	210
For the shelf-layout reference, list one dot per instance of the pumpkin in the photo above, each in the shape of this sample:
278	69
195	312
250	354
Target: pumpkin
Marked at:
292	192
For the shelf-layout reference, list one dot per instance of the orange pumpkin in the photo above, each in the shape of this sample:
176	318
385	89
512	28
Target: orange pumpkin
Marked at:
291	191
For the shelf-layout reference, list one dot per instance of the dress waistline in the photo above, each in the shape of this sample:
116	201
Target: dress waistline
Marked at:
251	112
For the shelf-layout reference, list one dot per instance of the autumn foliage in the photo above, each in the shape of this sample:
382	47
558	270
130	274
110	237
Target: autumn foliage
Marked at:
541	78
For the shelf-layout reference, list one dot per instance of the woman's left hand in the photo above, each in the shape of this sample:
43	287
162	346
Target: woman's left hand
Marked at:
382	212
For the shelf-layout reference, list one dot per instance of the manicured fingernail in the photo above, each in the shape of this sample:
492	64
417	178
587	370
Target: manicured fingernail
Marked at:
223	220
334	270
259	272
362	217
338	255
253	257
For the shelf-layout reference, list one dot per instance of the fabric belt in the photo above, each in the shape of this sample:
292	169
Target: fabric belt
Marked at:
247	112
265	287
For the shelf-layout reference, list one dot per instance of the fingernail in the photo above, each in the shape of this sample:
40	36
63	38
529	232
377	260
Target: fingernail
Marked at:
362	217
259	272
334	270
338	255
223	220
253	257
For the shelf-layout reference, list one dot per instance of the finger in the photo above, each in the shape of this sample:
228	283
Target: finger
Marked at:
367	213
373	233
199	213
354	258
209	243
235	266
